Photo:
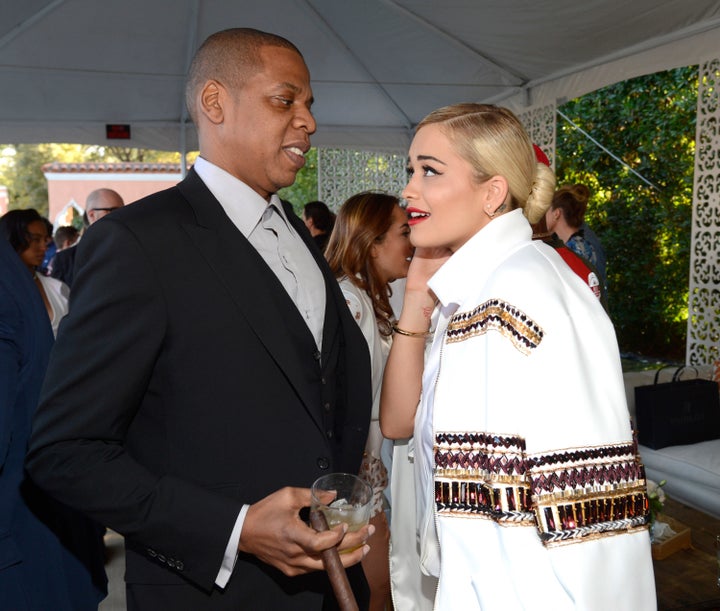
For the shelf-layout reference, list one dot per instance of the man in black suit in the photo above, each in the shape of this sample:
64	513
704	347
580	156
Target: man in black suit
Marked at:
98	204
209	369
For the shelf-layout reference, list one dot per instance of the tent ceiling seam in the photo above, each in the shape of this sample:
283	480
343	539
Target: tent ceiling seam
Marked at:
358	61
503	70
192	35
32	20
86	71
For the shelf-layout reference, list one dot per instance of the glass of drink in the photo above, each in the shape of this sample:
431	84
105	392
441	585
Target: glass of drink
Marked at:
347	499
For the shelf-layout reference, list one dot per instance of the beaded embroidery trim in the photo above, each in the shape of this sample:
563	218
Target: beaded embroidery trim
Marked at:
483	475
497	315
568	496
588	492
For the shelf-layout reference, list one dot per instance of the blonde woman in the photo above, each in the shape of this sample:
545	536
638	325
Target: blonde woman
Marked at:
530	494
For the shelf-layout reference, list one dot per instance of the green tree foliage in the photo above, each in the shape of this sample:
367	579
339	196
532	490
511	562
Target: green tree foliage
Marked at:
21	167
20	173
649	123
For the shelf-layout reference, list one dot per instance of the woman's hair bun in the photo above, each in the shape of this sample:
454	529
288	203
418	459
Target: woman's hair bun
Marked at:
581	193
541	195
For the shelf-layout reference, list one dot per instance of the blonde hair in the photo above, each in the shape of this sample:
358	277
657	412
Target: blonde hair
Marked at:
494	142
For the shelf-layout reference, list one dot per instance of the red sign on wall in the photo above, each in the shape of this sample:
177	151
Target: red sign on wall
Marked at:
117	131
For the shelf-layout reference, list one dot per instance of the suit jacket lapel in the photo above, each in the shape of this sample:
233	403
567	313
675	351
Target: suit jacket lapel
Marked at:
256	291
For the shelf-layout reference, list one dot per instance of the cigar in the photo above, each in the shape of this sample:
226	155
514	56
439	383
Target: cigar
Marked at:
334	568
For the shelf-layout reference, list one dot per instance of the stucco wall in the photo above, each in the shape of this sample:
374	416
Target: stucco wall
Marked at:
64	188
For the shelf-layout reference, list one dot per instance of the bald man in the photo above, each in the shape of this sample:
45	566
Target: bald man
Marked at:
99	203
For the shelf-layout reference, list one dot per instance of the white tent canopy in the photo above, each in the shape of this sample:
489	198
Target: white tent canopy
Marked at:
69	67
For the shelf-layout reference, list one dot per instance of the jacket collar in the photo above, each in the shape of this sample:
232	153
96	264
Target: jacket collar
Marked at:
479	257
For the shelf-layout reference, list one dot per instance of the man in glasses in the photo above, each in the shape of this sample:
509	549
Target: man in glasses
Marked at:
99	203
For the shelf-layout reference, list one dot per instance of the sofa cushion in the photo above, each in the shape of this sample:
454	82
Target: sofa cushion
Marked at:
692	473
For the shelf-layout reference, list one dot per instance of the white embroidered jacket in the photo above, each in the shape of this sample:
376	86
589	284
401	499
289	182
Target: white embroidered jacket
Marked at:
526	457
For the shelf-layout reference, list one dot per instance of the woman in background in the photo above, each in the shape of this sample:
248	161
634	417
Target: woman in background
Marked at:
368	249
530	492
27	233
566	216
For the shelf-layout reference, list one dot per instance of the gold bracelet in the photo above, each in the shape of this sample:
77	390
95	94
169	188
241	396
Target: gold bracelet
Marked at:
411	333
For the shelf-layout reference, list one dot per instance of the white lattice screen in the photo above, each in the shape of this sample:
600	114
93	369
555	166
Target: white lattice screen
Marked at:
703	335
539	122
344	172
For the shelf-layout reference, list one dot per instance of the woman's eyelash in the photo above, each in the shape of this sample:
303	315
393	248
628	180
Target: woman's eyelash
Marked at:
426	169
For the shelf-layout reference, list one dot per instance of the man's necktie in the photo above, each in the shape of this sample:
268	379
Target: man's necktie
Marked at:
275	224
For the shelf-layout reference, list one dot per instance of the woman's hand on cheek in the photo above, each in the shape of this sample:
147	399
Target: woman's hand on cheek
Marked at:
424	264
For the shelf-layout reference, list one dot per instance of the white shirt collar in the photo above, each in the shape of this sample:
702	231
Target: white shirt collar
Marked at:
242	204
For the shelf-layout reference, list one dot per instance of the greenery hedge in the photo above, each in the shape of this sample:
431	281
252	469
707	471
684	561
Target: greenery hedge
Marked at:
649	123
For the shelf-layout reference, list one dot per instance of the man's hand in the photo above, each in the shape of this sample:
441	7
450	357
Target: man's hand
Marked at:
274	532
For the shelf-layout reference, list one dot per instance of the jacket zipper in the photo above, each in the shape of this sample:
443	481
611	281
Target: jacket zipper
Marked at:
434	437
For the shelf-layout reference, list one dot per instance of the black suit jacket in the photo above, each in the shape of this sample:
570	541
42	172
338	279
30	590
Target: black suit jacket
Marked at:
184	383
62	265
50	557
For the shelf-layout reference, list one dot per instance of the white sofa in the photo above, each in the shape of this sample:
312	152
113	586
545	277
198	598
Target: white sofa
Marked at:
692	471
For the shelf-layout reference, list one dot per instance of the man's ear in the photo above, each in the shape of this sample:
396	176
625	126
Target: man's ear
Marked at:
212	96
496	192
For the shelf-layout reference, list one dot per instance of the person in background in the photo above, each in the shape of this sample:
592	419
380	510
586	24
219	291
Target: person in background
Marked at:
594	241
51	556
209	370
99	203
27	233
319	219
65	237
368	249
43	268
585	270
511	517
566	216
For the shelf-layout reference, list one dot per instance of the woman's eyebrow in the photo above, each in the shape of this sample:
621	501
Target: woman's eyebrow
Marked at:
428	158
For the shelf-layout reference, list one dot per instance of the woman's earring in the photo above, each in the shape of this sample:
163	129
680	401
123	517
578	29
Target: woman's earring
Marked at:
487	211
